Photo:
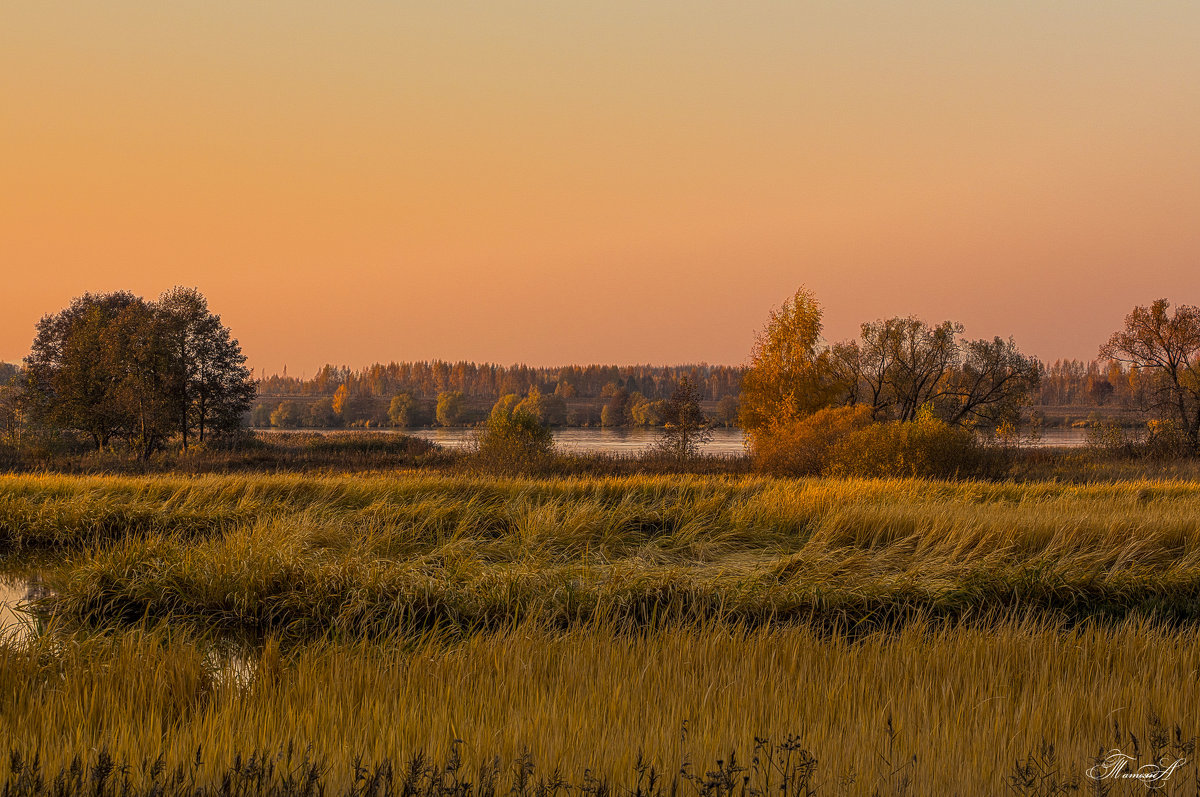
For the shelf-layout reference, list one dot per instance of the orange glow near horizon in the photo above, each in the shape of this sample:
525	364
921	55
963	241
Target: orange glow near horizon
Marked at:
585	182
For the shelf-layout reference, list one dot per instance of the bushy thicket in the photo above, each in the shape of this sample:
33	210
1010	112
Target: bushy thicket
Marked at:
927	447
513	441
802	448
843	441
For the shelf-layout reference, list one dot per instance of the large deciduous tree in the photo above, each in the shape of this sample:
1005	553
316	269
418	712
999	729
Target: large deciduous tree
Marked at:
900	365
138	355
213	388
991	382
1164	350
920	356
71	378
114	365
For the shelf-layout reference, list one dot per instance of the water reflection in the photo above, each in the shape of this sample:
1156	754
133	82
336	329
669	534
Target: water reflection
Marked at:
16	593
230	661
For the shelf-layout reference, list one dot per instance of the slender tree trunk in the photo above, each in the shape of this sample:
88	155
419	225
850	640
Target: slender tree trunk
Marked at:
203	411
142	435
183	396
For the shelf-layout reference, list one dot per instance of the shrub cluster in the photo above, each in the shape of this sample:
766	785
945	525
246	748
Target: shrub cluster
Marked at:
927	447
513	441
803	447
1162	440
1166	440
843	441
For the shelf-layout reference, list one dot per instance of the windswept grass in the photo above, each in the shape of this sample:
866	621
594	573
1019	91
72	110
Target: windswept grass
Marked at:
305	557
573	622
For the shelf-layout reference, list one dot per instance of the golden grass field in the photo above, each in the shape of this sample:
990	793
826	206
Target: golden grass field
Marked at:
585	620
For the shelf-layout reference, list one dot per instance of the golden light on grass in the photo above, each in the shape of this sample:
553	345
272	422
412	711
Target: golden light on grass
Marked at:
585	619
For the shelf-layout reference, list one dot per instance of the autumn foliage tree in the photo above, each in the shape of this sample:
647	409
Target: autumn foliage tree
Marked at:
401	409
350	406
1163	349
68	382
450	408
549	409
899	370
789	375
613	412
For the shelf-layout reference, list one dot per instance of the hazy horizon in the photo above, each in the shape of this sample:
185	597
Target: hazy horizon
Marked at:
600	182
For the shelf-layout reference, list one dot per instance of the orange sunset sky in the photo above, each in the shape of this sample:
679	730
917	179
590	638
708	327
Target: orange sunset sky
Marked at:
557	182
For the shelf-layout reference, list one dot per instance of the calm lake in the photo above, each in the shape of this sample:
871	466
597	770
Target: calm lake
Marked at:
725	442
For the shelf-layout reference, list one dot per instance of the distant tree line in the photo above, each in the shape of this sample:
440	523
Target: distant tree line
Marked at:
1064	382
428	379
118	369
635	396
453	394
1094	383
615	407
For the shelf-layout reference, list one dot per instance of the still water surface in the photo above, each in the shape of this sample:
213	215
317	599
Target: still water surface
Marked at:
15	593
725	442
229	660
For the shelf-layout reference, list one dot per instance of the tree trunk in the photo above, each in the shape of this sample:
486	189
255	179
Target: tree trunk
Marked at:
183	396
203	412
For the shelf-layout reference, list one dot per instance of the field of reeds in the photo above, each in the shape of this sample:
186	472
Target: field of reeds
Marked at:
884	637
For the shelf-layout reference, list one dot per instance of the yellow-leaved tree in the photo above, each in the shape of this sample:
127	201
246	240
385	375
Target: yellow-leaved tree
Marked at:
789	376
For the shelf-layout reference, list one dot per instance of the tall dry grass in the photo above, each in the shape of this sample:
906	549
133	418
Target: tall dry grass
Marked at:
305	556
965	704
586	619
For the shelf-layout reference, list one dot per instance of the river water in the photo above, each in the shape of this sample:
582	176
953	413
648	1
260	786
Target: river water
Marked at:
725	442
